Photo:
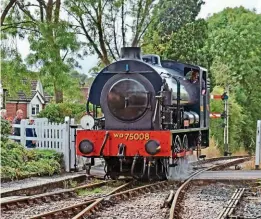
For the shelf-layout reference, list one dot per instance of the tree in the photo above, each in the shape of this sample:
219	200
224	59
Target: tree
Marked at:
234	40
13	71
7	8
175	32
104	24
170	16
51	41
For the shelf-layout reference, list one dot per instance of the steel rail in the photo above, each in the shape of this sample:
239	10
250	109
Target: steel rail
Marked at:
76	209
121	195
232	203
41	188
177	198
215	159
46	197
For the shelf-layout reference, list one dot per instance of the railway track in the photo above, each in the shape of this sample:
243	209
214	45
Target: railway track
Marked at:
46	197
175	206
90	206
42	187
200	163
128	194
72	210
232	203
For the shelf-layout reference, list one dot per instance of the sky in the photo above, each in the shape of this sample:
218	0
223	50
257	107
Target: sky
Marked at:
210	7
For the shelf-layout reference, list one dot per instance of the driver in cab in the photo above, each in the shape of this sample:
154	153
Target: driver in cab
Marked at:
195	79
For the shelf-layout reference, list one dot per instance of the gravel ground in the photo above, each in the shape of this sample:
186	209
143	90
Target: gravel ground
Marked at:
45	207
250	205
144	206
35	181
206	201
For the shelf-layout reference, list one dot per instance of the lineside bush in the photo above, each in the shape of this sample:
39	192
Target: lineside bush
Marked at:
19	162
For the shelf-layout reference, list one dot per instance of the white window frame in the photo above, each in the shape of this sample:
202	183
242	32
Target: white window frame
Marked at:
35	106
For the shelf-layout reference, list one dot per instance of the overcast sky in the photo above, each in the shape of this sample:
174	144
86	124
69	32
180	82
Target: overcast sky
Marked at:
210	7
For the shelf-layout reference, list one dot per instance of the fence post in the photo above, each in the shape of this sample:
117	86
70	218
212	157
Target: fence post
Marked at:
22	131
73	159
66	146
258	144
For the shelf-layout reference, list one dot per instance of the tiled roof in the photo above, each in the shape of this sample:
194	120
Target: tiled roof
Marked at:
21	96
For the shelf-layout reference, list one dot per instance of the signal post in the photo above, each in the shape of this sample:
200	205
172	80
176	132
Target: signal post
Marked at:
224	115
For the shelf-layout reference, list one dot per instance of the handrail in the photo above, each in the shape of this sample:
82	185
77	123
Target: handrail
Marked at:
178	101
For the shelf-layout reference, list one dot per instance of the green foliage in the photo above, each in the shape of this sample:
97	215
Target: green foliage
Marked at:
236	120
13	71
170	16
5	129
47	47
53	46
228	44
234	53
69	184
57	112
17	161
182	40
85	192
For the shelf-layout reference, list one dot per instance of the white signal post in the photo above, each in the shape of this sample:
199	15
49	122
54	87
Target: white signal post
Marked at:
224	115
226	128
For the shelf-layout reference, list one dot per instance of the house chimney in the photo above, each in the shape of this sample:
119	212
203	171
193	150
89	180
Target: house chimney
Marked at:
131	53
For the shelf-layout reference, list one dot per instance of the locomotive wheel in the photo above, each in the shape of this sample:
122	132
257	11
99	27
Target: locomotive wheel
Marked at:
165	173
114	175
177	161
185	165
177	144
185	142
198	143
112	169
166	168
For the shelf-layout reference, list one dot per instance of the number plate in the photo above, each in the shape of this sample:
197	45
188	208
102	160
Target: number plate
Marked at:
132	136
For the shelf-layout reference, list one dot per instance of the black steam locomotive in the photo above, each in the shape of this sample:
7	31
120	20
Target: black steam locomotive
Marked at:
155	112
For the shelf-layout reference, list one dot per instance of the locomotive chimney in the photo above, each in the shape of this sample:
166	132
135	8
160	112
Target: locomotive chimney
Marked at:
130	53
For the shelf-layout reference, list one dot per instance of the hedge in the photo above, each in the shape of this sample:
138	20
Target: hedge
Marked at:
19	162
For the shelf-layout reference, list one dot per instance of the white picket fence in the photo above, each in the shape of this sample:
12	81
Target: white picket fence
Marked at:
59	137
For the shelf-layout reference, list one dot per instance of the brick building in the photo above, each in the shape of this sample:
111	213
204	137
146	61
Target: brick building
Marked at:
31	104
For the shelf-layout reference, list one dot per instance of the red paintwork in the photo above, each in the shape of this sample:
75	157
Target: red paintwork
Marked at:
190	152
182	154
133	147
